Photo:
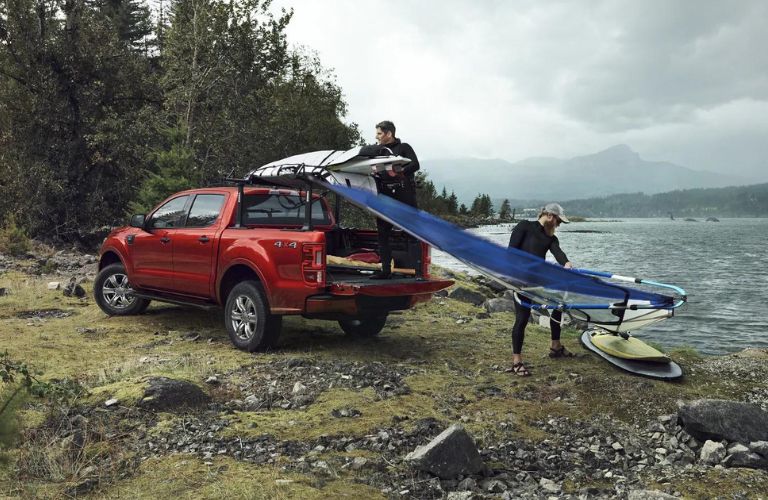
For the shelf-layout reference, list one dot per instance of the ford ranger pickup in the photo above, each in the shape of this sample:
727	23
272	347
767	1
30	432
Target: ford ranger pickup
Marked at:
259	260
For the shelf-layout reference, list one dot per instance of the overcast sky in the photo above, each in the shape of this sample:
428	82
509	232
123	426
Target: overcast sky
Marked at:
683	81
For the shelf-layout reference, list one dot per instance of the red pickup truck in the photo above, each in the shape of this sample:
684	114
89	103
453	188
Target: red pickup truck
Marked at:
260	259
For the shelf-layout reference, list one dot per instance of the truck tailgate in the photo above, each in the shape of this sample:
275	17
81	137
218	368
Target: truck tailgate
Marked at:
387	288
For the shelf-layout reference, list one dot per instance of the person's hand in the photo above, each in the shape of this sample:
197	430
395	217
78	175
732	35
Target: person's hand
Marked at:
568	265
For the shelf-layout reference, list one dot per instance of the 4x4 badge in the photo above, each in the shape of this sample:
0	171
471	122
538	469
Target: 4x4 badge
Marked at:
290	244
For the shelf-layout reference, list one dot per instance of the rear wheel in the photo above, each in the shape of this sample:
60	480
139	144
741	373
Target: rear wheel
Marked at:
249	324
113	292
364	326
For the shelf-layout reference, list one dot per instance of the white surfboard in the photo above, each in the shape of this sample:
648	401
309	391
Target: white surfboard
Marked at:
348	168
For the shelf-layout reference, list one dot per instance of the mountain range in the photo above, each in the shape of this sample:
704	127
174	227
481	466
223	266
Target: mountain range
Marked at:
615	170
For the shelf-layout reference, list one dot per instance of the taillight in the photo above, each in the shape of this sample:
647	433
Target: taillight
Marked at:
427	258
313	263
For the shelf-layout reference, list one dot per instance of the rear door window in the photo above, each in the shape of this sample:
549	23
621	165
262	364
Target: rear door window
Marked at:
205	210
282	210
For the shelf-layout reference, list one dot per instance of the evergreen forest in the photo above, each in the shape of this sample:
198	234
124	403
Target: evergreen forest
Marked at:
108	106
735	201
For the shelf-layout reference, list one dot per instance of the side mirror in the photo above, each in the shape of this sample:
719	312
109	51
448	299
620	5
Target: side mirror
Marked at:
138	221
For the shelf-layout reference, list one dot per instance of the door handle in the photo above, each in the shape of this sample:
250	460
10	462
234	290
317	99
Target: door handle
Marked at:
165	240
203	239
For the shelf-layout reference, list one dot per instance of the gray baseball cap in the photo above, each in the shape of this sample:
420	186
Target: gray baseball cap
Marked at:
556	209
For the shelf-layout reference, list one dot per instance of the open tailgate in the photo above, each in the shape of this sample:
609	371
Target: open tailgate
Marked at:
388	288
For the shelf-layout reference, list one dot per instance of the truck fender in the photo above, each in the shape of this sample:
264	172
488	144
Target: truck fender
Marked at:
112	255
225	278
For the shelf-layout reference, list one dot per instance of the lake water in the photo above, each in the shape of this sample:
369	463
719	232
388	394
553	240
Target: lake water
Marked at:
722	265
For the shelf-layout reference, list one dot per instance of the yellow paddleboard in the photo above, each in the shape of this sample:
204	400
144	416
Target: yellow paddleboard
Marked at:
631	348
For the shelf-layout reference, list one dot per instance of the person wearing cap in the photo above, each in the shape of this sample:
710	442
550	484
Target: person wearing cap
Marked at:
538	238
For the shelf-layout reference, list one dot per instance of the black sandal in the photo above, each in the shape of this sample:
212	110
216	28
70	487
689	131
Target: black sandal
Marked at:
520	370
560	352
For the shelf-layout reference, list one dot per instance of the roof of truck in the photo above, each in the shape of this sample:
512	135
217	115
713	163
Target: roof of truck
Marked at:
247	189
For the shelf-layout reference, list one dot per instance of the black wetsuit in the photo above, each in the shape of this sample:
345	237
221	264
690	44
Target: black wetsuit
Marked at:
531	237
402	189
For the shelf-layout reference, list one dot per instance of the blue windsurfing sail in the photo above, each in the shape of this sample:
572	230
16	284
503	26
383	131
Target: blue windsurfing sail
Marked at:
602	299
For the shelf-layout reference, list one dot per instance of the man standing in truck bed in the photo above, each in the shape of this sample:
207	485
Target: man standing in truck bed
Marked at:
402	188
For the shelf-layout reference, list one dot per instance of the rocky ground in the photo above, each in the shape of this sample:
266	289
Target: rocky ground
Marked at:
161	405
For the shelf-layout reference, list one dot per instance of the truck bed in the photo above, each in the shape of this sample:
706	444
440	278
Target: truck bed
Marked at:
344	281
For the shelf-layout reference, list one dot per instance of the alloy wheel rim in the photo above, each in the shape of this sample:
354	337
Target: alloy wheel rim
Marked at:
117	292
244	317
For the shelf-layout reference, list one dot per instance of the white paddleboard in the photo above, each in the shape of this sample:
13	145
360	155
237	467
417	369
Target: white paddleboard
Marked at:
664	371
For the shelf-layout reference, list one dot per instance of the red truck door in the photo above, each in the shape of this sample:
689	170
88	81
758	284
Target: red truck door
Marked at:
152	250
194	246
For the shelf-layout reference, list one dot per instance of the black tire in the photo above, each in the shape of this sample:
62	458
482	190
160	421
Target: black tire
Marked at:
363	326
257	331
113	292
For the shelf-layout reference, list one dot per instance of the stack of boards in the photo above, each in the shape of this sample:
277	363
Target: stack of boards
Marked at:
349	168
631	354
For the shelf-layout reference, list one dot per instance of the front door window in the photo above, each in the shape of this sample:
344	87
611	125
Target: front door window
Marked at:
171	215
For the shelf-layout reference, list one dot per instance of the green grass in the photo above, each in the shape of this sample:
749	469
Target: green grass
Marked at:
177	476
456	362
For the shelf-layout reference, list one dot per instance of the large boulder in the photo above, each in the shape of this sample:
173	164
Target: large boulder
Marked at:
449	455
741	456
167	394
493	285
759	447
466	295
752	352
712	452
499	305
717	419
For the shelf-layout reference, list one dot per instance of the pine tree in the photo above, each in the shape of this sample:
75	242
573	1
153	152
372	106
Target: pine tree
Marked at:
130	18
426	194
505	212
175	172
489	210
243	98
476	208
453	204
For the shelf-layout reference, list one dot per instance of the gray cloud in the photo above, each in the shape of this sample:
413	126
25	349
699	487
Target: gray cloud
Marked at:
668	60
685	81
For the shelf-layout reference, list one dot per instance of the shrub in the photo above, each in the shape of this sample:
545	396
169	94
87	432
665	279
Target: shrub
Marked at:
16	383
13	239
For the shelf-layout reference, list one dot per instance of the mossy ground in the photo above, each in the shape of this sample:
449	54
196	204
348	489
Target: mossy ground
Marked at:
456	362
179	476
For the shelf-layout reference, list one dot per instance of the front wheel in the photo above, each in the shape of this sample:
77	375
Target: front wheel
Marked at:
113	292
249	324
363	326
